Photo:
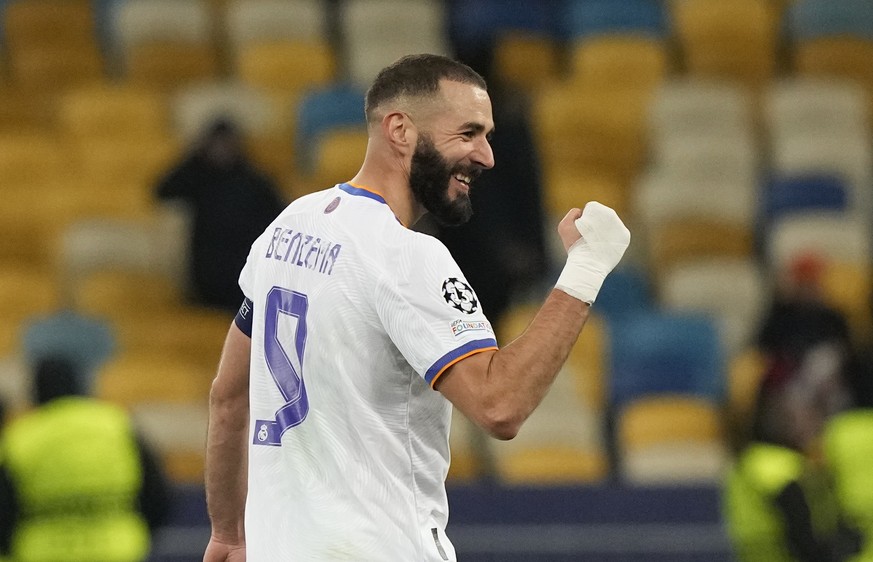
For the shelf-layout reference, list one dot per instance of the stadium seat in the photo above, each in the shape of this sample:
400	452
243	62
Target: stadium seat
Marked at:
619	61
287	68
29	24
564	188
626	292
694	107
526	60
192	334
55	68
113	112
848	286
94	245
841	57
338	158
252	110
31	293
802	193
834	236
377	32
726	156
733	41
135	161
670	440
31	159
323	109
585	18
806	106
811	19
599	132
267	21
476	25
123	293
733	291
688	240
745	371
665	352
164	43
850	158
672	194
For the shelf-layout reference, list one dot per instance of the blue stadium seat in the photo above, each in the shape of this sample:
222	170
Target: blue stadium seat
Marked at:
811	19
659	353
625	292
802	193
320	110
583	18
478	22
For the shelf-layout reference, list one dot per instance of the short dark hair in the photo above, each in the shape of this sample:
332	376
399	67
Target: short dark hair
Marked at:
417	75
55	377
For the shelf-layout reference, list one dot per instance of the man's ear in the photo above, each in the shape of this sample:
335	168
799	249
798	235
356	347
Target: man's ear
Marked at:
399	131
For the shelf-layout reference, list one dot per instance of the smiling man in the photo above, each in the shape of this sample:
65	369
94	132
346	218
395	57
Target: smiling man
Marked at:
329	415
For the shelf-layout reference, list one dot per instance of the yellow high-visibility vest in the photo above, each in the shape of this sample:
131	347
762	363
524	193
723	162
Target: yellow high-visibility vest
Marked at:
76	470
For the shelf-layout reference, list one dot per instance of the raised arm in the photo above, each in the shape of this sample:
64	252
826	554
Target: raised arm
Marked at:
499	390
226	450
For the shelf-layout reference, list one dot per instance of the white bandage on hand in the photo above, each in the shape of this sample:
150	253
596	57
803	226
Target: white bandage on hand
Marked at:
590	259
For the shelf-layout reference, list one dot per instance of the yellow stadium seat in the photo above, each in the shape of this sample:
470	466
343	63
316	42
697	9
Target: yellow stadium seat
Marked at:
170	65
745	372
29	292
119	293
56	68
125	161
689	239
621	61
526	61
287	67
733	40
849	287
105	111
669	439
191	334
37	23
600	131
338	157
31	160
837	57
23	111
131	379
565	188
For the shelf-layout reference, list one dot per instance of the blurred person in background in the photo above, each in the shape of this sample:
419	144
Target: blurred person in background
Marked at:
229	202
779	501
77	484
799	316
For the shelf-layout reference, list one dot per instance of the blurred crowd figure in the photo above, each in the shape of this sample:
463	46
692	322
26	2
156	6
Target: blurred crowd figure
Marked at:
784	496
77	483
229	202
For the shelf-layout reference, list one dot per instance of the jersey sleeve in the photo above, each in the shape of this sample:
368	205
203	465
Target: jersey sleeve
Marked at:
430	312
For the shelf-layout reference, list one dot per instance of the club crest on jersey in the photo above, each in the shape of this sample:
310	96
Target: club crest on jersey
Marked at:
460	296
331	207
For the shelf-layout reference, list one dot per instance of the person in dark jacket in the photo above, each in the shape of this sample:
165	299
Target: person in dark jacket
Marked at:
230	202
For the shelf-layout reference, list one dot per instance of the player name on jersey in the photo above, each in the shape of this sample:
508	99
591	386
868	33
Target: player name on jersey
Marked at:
303	250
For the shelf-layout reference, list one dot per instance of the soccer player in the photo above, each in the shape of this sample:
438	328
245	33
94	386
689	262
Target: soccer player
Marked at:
329	424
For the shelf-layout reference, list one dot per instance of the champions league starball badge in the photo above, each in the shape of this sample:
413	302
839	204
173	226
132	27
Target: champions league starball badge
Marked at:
460	296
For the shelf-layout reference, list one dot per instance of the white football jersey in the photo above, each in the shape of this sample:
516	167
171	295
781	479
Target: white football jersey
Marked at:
355	317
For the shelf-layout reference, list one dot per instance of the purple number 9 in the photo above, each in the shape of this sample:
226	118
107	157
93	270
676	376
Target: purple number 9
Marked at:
287	378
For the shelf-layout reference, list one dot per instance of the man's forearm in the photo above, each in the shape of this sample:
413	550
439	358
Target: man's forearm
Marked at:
227	440
523	370
226	467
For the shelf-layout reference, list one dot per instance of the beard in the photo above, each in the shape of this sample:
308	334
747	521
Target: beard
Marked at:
429	177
